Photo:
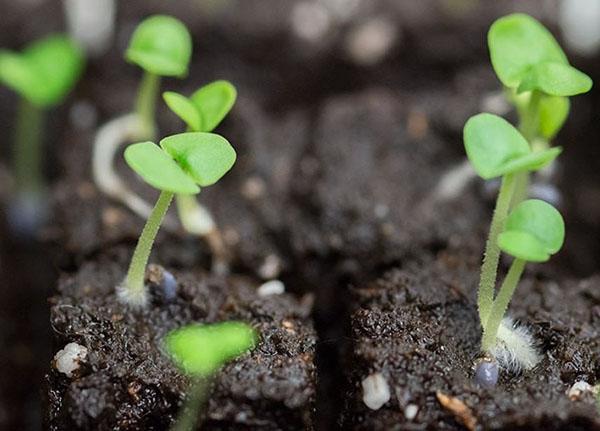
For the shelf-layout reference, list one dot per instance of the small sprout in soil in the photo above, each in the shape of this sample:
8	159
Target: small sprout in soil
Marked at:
496	149
533	232
202	112
42	74
205	108
538	80
162	46
200	351
181	164
526	57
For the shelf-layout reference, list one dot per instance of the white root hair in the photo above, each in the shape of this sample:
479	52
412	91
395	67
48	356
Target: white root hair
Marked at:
515	348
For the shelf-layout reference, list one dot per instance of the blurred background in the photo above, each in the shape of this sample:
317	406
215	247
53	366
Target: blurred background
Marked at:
286	57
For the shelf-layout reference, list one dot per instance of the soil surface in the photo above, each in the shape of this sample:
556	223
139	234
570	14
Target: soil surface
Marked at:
337	164
417	325
127	382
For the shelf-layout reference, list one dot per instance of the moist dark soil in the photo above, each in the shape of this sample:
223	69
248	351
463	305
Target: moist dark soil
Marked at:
127	382
337	164
417	325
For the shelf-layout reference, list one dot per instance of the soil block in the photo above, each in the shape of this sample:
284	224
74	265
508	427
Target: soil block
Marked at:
418	326
126	381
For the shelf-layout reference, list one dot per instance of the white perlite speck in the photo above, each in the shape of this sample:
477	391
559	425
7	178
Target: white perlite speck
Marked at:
578	389
273	287
376	391
410	412
70	358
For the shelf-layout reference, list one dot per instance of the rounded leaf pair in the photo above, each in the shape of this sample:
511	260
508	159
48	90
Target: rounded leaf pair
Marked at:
200	350
495	148
161	45
206	108
527	57
45	71
534	231
182	162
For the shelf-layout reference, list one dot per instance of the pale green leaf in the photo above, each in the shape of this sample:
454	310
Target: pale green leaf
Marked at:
159	170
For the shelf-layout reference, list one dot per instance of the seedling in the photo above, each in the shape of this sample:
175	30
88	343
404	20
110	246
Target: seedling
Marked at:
202	112
205	108
200	351
42	74
538	79
180	165
533	232
496	149
162	46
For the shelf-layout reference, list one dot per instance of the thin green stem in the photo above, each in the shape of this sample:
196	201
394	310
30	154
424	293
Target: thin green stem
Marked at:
489	268
145	105
28	148
188	416
529	127
530	117
522	180
490	329
134	283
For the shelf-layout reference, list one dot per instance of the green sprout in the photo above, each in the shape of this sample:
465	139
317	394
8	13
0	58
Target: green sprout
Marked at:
200	351
181	164
162	46
496	149
202	112
533	232
42	74
538	79
205	108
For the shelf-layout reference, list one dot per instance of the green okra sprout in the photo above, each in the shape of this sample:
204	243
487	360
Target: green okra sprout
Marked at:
162	46
181	164
496	149
538	78
533	232
200	351
42	74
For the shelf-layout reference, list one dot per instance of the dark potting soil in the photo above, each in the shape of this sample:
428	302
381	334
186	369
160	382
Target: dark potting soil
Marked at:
127	382
417	325
336	167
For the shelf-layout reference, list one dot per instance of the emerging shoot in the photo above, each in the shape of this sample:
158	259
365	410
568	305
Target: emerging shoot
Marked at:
162	46
200	351
533	232
205	108
538	79
496	149
42	74
180	165
202	112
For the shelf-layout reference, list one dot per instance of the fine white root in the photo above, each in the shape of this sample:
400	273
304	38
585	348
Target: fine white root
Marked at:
453	183
194	216
108	140
135	300
106	144
515	348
